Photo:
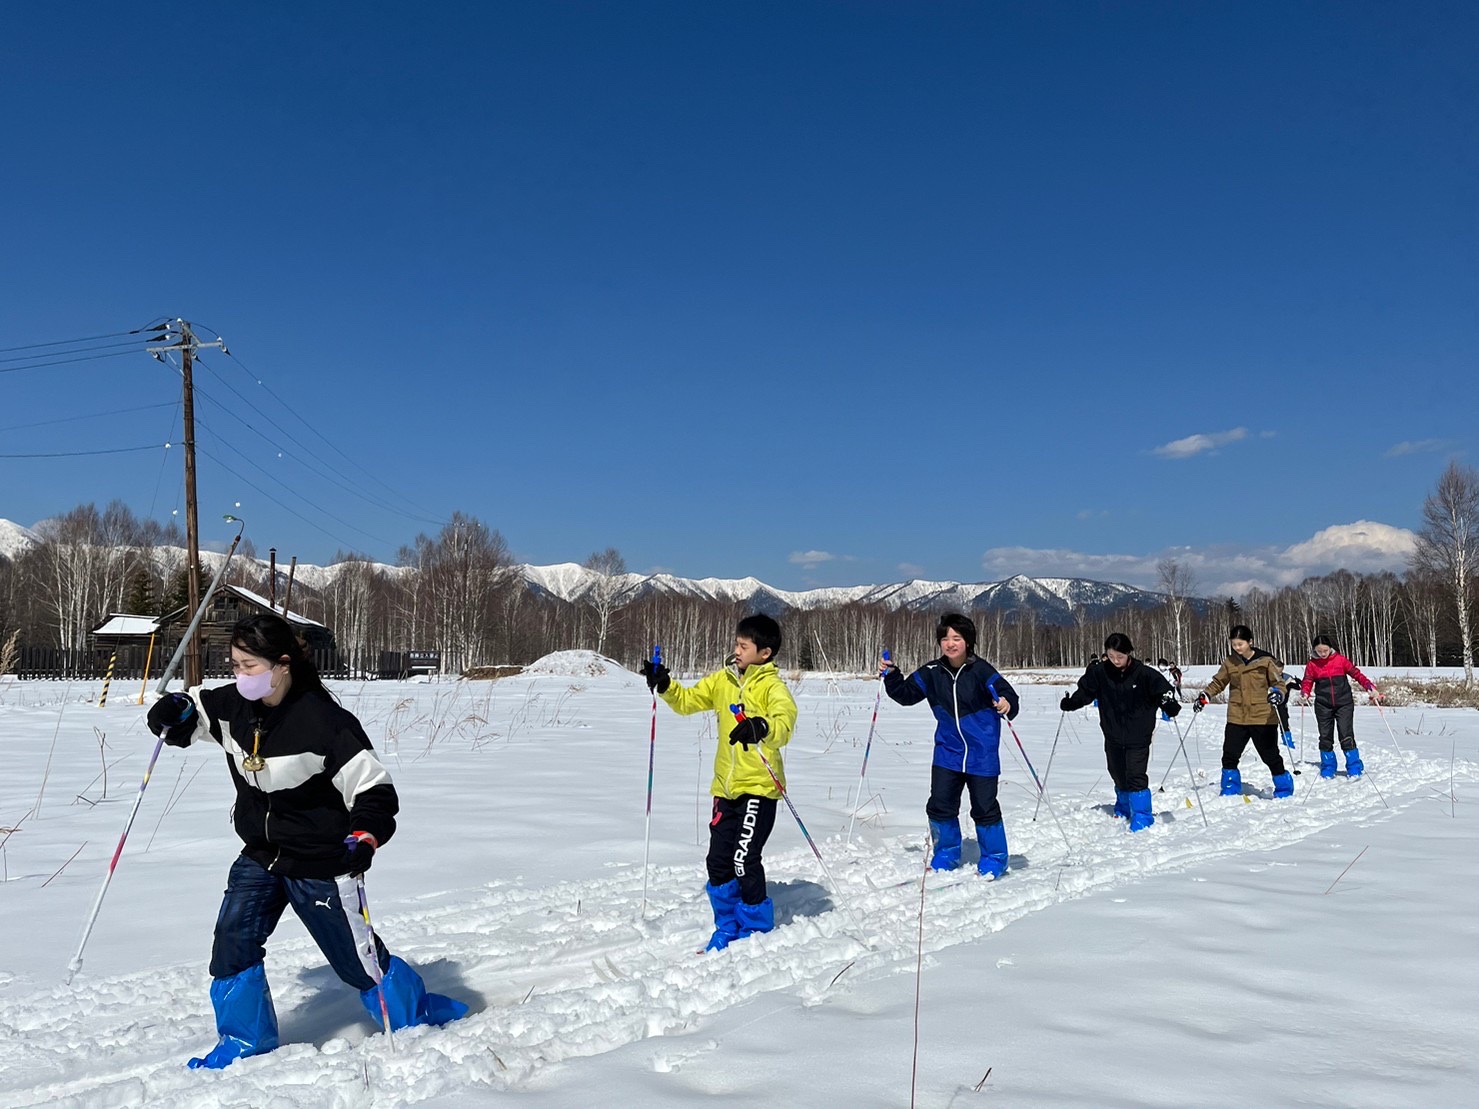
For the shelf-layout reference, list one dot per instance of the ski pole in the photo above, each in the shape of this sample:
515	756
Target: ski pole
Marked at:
1376	699
862	777
1041	792
1048	773
739	718
1301	731
164	679
1162	787
1282	725
651	761
1196	789
379	975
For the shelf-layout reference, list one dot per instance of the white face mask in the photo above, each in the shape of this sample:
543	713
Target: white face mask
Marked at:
253	687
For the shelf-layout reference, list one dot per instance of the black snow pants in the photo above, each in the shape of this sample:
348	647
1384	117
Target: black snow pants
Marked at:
1127	766
1265	739
737	835
1331	719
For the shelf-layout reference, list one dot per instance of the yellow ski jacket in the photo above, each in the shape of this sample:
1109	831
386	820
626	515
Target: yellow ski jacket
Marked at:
762	693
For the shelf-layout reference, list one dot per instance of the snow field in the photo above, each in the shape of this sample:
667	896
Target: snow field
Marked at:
515	882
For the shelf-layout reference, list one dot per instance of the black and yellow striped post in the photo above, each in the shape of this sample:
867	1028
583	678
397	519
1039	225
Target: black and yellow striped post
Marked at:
108	679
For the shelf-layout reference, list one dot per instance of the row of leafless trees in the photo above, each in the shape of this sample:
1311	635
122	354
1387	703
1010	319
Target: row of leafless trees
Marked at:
458	593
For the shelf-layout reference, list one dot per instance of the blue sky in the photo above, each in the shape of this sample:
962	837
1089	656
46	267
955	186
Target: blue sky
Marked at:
823	293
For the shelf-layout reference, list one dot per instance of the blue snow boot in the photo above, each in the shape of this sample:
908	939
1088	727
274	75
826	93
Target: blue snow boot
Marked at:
755	918
406	999
1284	784
725	899
1140	815
245	1018
1232	783
1122	804
993	841
1327	764
1354	767
946	838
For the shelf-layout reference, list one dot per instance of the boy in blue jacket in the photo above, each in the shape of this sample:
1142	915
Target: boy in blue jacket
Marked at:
968	697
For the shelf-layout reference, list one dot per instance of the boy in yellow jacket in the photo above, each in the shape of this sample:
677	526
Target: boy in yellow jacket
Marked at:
745	795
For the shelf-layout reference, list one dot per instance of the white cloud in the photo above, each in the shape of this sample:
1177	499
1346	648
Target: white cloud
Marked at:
1224	569
1364	546
910	570
810	559
1196	444
1419	446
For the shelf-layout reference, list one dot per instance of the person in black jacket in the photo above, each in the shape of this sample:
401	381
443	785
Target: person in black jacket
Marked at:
313	804
1129	693
969	698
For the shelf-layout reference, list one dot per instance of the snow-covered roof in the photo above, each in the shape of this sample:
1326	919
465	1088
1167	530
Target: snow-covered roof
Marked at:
122	623
257	598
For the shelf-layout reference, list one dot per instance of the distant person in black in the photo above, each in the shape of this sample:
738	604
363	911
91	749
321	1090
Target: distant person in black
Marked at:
1174	673
1128	693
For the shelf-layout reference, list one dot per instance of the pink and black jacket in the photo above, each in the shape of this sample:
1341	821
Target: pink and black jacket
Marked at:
1330	680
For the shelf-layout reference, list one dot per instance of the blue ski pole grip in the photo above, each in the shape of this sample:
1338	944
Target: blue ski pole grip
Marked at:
739	711
656	654
886	656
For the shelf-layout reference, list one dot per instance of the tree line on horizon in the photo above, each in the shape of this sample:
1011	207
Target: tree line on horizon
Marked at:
457	593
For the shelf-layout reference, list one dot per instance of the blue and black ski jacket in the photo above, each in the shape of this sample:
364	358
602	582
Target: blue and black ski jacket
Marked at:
967	726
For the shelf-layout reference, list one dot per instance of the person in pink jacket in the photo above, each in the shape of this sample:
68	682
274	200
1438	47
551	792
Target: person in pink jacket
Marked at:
1328	675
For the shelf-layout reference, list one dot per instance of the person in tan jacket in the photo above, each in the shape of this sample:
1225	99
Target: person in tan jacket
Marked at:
1254	683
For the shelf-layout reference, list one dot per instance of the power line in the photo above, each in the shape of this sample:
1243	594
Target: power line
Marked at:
286	453
80	454
89	416
286	508
368	473
85	339
132	344
164	458
65	361
309	450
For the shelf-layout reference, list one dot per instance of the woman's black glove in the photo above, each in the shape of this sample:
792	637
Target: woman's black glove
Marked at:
173	717
359	852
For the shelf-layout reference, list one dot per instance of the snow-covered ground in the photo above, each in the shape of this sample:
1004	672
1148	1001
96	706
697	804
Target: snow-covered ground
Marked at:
1227	964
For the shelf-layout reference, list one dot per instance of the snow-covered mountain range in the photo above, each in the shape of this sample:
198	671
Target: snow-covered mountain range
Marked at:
1051	600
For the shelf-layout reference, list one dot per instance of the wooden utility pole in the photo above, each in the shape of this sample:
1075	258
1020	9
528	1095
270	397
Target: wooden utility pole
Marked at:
185	343
192	513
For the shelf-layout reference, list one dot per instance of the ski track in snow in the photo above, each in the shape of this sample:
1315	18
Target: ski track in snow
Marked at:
566	971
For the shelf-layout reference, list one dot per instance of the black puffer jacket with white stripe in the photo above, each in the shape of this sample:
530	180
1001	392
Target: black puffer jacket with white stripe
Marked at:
320	780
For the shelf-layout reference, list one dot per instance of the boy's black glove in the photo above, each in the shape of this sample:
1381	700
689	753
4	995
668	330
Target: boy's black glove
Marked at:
1170	705
658	678
1067	704
1276	696
1200	703
359	852
172	711
752	729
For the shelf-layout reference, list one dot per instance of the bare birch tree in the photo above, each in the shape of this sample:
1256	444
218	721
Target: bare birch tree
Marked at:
607	590
1448	547
1177	582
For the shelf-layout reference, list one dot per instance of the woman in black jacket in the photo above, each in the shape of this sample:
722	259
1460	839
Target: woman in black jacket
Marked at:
1129	694
313	804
